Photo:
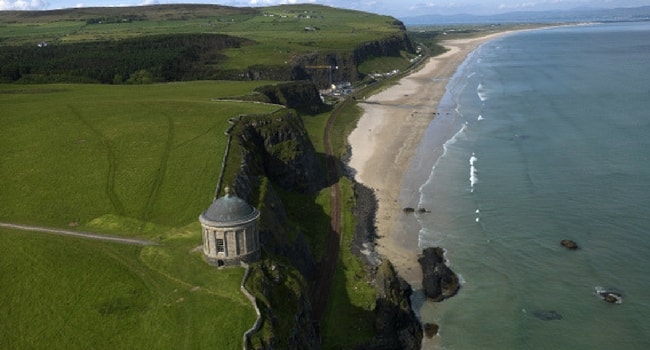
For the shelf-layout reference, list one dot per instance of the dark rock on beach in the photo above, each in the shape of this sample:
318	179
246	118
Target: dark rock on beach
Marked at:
431	330
410	210
569	244
439	281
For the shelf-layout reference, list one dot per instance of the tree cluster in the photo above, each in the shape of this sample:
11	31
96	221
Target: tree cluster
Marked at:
160	58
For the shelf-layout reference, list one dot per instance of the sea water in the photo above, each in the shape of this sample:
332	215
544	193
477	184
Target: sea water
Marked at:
547	137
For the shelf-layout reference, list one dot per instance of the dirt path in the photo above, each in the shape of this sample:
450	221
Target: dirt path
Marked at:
328	264
80	234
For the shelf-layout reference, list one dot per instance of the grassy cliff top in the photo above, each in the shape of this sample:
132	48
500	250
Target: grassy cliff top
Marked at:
300	25
275	35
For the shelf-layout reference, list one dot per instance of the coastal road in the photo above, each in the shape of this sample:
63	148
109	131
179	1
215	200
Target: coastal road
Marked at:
79	234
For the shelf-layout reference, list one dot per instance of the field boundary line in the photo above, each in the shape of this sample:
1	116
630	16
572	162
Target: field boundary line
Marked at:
258	322
79	234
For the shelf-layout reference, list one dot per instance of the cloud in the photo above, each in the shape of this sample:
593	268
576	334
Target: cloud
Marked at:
517	6
434	5
9	5
275	2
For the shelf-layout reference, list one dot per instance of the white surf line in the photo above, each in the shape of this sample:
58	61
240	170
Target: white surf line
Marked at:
80	234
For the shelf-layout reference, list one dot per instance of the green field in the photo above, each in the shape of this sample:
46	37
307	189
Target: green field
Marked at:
69	293
132	160
129	160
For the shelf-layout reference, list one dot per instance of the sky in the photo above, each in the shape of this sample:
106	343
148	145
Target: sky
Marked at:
395	8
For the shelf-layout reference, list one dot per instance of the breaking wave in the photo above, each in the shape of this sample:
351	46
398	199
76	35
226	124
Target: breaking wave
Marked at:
473	177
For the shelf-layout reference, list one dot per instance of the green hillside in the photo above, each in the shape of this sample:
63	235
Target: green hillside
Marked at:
130	158
181	42
114	121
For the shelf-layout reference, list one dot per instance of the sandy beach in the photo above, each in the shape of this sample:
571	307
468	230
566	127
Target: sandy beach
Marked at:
386	139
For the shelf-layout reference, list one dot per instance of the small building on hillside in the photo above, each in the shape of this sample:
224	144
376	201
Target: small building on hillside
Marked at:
230	232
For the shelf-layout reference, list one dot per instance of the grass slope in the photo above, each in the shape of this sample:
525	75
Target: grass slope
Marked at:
66	293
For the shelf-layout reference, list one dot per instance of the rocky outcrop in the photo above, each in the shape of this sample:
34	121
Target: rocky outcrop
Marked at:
285	309
344	64
431	330
275	151
396	325
278	147
610	296
301	95
569	244
365	233
392	46
439	281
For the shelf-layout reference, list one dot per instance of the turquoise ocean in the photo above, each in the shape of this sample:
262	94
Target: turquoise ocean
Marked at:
543	135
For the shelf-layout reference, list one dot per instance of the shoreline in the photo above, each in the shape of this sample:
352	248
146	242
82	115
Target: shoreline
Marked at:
385	142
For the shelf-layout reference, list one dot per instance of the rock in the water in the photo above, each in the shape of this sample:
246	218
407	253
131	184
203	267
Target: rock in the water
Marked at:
422	210
609	296
408	210
431	330
569	244
438	280
547	315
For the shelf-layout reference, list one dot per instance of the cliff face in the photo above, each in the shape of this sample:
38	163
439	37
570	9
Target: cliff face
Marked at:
313	66
279	148
388	47
277	152
285	308
301	95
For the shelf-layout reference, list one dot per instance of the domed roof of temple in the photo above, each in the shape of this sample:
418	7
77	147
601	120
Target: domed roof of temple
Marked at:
228	209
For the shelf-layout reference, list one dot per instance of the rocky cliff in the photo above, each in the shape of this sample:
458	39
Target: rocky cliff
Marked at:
396	325
301	95
283	301
278	147
343	63
276	152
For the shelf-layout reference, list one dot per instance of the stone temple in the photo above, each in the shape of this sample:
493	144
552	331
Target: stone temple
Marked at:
230	233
